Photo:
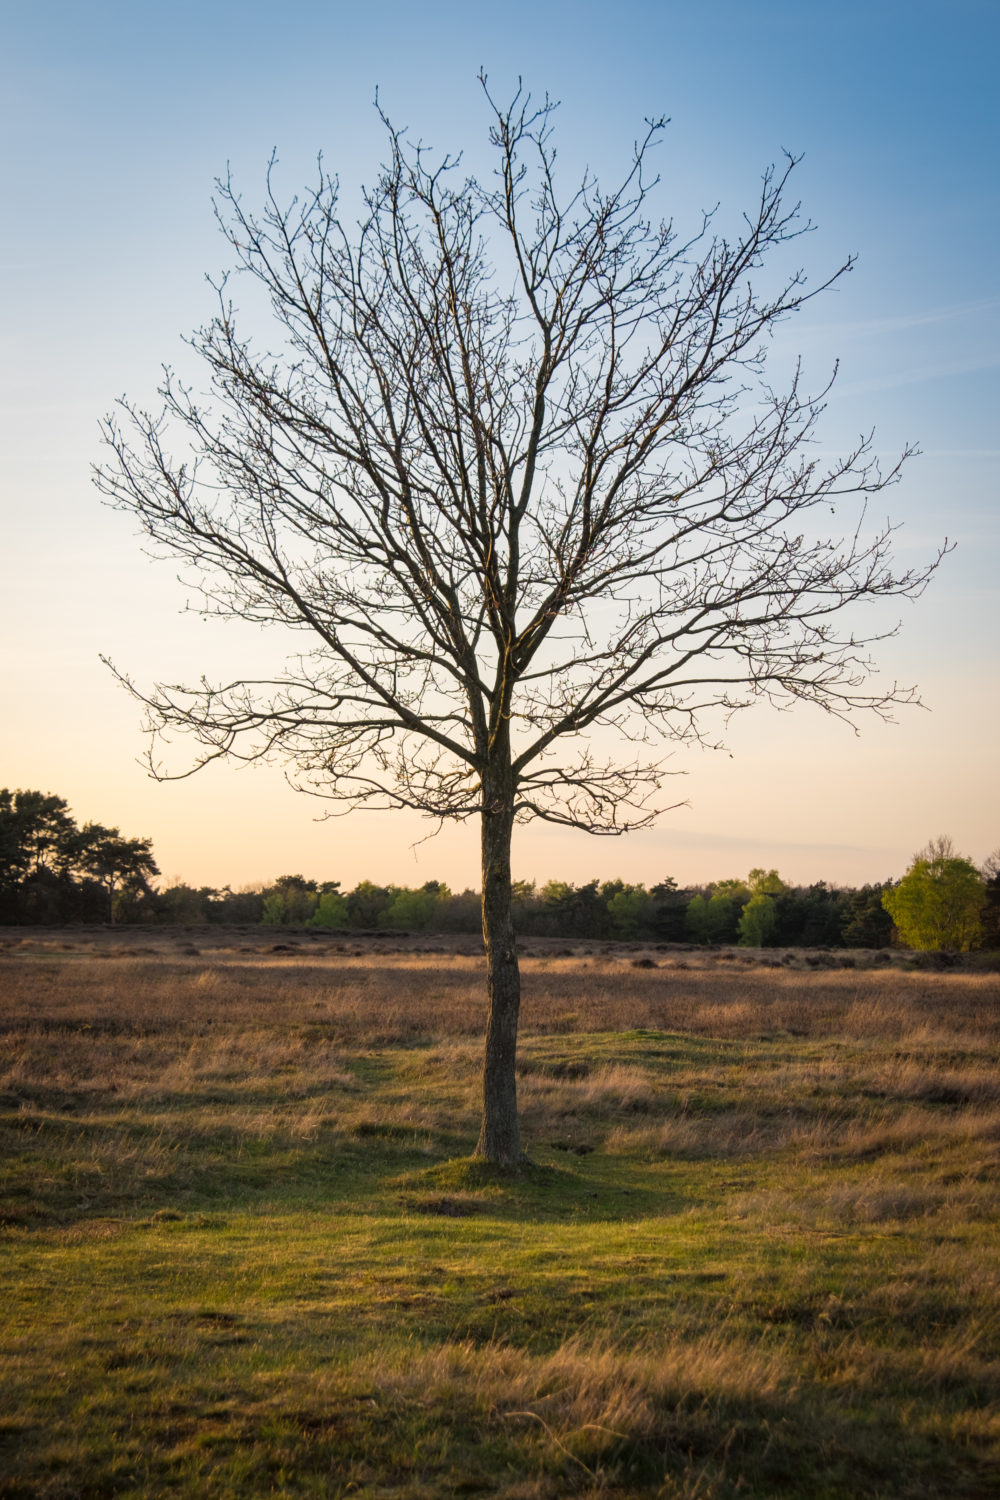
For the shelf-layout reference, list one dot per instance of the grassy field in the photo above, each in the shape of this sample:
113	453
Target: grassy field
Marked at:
245	1252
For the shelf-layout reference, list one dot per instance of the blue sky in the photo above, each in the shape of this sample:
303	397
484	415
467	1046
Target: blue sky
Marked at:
117	118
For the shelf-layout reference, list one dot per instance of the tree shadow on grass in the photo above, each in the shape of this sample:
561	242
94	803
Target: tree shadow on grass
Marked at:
537	1191
65	1160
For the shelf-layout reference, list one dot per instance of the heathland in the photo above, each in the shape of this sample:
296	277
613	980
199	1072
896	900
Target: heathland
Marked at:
245	1250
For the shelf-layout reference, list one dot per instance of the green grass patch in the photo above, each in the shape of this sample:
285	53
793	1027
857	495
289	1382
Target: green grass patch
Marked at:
241	1261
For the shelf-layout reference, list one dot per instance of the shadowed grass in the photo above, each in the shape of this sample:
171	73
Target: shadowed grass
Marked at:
246	1250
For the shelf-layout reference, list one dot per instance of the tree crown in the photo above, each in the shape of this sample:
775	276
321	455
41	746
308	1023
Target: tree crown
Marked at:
516	472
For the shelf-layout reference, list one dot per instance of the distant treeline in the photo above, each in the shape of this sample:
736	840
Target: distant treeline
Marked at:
53	872
762	909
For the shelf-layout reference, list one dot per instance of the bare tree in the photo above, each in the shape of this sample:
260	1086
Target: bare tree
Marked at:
516	472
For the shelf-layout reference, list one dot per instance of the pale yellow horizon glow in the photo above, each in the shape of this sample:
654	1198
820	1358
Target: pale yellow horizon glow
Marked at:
798	792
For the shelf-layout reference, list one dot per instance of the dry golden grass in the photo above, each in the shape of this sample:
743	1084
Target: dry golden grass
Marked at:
585	1399
259	1042
382	994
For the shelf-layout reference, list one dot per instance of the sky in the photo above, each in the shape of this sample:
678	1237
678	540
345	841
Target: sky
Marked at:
119	116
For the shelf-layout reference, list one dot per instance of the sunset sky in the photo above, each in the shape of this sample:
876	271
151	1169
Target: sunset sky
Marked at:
117	118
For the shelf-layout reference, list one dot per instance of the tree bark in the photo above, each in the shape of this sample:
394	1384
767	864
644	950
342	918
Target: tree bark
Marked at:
499	1137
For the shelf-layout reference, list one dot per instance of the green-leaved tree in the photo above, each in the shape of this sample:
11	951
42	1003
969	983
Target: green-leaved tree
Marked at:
758	921
939	901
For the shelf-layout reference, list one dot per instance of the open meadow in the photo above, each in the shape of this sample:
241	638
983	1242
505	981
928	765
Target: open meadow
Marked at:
245	1251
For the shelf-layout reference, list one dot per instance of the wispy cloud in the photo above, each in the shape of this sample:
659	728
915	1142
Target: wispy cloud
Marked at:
676	835
901	322
960	452
917	375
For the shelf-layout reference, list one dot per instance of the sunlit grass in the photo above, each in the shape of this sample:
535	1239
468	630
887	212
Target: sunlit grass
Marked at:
246	1250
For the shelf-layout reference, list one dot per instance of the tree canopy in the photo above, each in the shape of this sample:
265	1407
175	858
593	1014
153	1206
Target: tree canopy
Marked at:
53	871
515	472
939	901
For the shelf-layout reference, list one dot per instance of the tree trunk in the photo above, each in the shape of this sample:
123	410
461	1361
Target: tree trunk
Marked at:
499	1138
